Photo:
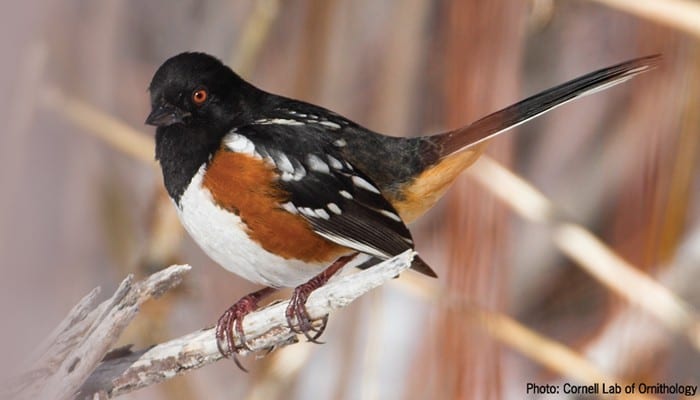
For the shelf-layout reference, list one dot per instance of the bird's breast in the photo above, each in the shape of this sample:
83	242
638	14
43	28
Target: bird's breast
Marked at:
232	211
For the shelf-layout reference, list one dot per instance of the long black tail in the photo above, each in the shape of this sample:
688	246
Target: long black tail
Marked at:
512	116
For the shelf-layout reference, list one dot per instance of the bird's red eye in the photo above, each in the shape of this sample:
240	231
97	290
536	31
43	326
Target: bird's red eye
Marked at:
199	96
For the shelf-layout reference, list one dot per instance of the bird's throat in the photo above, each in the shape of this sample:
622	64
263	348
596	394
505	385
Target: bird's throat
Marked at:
180	154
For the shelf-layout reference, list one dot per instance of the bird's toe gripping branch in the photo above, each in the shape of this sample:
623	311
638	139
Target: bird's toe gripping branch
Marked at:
232	320
297	304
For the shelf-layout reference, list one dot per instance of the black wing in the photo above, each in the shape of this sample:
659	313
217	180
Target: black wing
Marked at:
340	202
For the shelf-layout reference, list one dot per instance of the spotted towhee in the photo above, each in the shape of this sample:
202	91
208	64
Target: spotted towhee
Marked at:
285	193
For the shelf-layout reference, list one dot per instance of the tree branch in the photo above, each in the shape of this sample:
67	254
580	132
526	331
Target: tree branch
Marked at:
74	349
121	370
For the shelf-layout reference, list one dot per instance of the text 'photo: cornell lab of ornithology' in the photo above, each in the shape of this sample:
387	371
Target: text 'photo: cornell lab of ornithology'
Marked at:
350	199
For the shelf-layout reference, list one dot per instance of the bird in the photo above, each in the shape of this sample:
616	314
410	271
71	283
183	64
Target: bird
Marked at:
285	193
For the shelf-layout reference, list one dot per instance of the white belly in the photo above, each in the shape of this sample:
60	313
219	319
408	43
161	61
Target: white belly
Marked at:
221	234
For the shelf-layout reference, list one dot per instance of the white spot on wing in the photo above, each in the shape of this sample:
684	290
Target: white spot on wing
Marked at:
307	211
335	163
291	170
330	124
283	163
240	144
390	215
299	170
290	207
279	121
316	164
320	212
362	183
334	208
345	194
340	143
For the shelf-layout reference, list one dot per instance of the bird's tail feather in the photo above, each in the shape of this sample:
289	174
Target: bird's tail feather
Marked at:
512	116
421	266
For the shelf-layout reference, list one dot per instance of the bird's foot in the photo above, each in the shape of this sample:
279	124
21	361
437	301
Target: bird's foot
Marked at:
232	320
296	310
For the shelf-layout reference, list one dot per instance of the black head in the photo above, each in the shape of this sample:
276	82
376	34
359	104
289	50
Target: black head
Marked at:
197	90
195	101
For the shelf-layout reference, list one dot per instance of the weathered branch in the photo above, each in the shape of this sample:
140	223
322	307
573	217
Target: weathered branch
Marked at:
68	357
266	328
80	346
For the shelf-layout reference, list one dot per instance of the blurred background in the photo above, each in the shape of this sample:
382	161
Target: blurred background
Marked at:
83	205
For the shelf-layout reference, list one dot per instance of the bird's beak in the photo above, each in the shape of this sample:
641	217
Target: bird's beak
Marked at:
166	115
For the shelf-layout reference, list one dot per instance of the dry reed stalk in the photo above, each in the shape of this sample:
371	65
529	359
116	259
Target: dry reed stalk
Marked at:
679	14
589	252
111	130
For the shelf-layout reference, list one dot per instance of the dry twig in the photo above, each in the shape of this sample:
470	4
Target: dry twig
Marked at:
72	352
111	130
72	361
679	14
589	252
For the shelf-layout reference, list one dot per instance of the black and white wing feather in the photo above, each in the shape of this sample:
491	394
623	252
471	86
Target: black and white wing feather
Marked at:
341	203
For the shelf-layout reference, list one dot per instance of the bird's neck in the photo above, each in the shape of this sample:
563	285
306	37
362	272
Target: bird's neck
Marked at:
180	156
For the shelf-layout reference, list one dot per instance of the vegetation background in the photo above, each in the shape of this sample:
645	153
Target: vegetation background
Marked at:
82	202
